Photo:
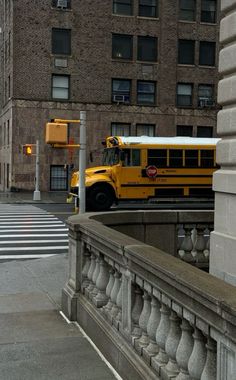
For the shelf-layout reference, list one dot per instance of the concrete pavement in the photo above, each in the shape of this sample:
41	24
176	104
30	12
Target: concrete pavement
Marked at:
36	342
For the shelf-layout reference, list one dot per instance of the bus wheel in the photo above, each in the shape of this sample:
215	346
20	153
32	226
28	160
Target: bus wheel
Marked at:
100	198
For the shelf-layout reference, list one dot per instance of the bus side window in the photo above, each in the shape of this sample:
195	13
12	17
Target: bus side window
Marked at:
135	157
191	158
157	157
131	157
176	158
207	158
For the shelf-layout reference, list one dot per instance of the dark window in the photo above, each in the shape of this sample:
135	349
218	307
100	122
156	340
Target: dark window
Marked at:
187	10
148	8
122	7
145	130
191	158
184	130
61	41
207	158
146	93
147	49
120	129
157	157
121	90
186	52
175	158
184	94
205	95
60	86
131	157
63	4
208	11
207	53
204	131
122	46
58	178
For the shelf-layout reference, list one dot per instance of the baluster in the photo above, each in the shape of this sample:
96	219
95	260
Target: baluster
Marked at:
136	312
206	251
114	293
143	341
90	274
161	335
199	245
94	290
172	342
187	245
209	371
197	359
101	284
119	302
109	287
184	350
153	322
87	261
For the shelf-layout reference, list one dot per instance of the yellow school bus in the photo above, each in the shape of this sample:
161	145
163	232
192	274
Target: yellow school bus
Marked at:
141	168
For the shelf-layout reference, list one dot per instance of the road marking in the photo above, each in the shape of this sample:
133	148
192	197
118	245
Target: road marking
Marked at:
35	256
34	222
33	248
41	241
20	229
31	235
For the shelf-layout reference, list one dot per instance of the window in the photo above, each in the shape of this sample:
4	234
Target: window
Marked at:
145	130
187	10
157	157
122	7
207	53
147	49
191	158
186	52
208	11
148	8
175	158
184	95
62	4
205	95
184	130
61	41
60	87
204	131
146	93
122	46
121	90
58	177
207	158
120	129
131	157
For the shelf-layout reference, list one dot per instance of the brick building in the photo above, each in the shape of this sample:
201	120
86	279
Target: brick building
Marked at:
138	67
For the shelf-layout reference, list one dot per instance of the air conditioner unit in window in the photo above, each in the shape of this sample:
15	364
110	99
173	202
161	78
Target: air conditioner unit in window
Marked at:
206	102
120	98
62	3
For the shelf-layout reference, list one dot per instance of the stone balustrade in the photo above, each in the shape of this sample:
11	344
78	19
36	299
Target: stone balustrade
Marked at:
152	315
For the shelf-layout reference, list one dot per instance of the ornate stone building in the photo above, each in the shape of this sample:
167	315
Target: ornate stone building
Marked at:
137	67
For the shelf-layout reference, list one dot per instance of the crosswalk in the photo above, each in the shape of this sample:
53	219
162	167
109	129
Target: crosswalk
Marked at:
29	232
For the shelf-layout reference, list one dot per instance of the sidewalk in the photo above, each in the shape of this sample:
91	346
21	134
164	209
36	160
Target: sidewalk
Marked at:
36	342
27	197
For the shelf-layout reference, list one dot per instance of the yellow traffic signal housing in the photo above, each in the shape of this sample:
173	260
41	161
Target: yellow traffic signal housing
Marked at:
56	133
28	149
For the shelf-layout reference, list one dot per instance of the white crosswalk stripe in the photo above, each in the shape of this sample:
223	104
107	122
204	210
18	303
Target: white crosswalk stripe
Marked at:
27	231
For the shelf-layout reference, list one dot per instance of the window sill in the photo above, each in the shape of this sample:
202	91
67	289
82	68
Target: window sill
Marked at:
208	23
188	21
186	65
206	67
148	18
122	60
147	62
120	15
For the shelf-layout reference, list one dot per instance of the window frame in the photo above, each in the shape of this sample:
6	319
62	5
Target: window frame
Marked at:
152	126
122	36
117	2
204	12
184	126
65	178
124	93
186	10
182	51
141	47
208	100
145	93
52	86
205	128
142	7
191	96
207	45
54	4
120	124
67	41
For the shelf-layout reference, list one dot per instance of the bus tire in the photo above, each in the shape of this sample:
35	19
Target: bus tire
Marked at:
100	198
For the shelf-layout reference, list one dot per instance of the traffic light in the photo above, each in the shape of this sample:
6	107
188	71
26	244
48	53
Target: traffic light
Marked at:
27	149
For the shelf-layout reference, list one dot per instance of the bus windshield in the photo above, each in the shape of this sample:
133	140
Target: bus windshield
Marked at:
110	156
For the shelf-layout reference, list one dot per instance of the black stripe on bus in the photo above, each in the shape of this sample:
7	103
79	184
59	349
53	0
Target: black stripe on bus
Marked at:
165	185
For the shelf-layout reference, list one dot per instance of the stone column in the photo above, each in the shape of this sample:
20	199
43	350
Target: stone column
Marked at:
223	238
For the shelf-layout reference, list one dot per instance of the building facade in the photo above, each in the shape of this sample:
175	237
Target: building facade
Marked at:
136	67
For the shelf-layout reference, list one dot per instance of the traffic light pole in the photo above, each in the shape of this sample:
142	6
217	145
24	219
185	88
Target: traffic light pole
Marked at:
37	195
82	162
